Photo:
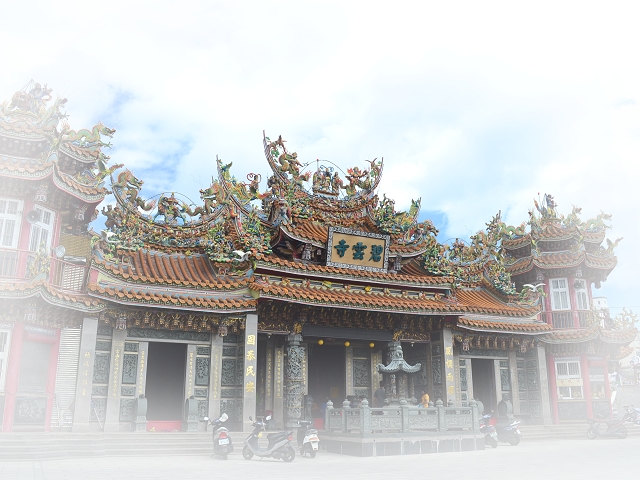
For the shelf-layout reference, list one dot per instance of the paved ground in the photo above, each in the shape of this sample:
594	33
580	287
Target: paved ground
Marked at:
559	459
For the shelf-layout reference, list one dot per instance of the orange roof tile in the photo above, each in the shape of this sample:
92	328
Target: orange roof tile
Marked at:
272	262
408	302
493	325
171	269
192	301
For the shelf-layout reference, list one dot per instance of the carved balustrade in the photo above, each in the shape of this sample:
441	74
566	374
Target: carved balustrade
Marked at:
401	418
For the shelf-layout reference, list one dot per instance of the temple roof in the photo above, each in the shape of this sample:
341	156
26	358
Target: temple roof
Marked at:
192	301
41	289
36	143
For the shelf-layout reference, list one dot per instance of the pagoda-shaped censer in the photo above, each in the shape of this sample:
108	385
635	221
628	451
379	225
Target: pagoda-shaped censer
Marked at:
396	375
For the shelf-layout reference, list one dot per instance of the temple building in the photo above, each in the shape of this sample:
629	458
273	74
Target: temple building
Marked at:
274	298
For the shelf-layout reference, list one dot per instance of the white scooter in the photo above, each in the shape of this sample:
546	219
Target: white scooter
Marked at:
278	448
308	440
222	444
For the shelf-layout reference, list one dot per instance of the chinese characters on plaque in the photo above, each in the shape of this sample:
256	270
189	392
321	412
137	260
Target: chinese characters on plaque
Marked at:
358	250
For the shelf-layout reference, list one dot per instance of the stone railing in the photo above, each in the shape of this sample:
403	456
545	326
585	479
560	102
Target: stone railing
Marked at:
402	418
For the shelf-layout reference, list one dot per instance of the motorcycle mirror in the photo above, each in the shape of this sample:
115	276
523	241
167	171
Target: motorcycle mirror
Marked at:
224	417
206	419
268	418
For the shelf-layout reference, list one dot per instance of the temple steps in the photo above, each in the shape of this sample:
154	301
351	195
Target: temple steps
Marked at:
47	446
570	431
41	446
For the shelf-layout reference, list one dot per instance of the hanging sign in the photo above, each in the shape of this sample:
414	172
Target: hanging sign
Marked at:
358	250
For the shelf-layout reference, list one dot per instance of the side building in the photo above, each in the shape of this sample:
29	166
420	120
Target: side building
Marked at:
565	257
51	183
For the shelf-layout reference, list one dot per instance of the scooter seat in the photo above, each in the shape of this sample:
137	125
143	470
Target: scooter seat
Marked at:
273	436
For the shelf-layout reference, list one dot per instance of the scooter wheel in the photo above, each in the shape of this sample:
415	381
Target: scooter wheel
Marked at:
224	456
312	453
622	434
591	434
515	440
489	440
247	453
290	455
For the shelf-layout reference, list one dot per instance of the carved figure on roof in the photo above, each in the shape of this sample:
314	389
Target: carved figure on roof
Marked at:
391	222
548	208
323	181
531	294
470	263
86	137
34	101
419	232
128	186
281	213
113	215
612	245
573	218
171	209
597	223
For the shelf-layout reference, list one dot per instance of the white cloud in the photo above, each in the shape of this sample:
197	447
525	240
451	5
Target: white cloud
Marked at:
476	107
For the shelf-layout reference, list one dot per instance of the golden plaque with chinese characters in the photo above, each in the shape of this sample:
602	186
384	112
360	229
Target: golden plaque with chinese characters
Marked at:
358	250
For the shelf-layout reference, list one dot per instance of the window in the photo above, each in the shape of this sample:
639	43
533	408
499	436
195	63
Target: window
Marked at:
559	294
569	379
581	294
4	356
41	231
10	217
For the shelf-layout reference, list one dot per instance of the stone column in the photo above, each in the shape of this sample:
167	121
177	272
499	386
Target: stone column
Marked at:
513	379
82	406
376	377
448	380
249	372
497	381
190	414
215	376
143	355
278	386
190	370
112	417
294	380
268	381
545	397
348	355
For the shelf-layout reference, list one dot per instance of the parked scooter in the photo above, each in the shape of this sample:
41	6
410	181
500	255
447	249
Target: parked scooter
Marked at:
510	434
488	428
278	448
633	414
612	428
307	438
222	444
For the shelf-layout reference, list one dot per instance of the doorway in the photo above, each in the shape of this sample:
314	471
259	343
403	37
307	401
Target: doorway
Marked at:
166	369
327	373
484	382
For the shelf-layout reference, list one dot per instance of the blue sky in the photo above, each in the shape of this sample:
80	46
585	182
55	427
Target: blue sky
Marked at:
475	106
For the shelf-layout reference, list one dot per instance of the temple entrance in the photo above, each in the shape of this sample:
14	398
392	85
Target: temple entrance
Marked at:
327	373
166	367
484	382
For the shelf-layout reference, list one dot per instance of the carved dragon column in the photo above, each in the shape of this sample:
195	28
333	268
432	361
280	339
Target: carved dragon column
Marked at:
294	380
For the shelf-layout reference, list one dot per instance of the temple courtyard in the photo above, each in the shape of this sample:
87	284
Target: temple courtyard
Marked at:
550	459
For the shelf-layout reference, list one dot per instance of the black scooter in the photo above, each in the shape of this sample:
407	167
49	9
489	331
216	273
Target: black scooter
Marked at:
222	444
278	448
510	434
602	428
